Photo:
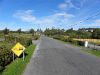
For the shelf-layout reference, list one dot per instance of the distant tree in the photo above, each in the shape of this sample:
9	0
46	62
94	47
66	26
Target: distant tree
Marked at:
53	31
32	31
47	32
96	33
6	31
39	30
71	33
84	34
19	31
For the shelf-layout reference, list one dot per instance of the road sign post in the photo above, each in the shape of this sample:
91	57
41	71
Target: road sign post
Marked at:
13	57
18	49
23	55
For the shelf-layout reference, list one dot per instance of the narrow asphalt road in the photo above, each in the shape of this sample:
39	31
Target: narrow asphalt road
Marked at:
55	58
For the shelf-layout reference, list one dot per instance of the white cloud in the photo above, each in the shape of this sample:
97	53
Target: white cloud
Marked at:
97	21
54	19
25	16
67	4
62	6
94	23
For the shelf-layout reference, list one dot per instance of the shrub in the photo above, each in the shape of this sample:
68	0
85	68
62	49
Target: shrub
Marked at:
1	69
35	37
5	49
9	38
28	42
81	43
56	37
5	56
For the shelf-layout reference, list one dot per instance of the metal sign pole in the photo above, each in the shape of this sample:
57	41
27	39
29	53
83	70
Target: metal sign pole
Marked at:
13	53
13	56
23	55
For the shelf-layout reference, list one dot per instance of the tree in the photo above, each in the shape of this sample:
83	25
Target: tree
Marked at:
6	31
39	31
96	33
32	31
71	33
53	31
19	31
83	34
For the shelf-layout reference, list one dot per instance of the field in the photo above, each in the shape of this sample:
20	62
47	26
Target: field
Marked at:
96	41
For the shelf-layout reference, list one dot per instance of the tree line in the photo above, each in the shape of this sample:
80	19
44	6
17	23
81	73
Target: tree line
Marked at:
89	33
92	33
6	31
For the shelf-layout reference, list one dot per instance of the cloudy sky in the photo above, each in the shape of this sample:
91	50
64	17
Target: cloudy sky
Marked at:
26	14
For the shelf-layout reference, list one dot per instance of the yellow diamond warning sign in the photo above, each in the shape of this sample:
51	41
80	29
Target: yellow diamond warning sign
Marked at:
18	49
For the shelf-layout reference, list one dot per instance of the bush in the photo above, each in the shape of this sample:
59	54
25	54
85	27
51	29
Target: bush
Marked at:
56	37
75	42
35	37
5	56
70	40
81	43
9	38
59	37
5	49
29	42
1	69
23	40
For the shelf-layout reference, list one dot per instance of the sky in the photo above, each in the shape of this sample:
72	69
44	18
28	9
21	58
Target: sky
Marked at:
36	14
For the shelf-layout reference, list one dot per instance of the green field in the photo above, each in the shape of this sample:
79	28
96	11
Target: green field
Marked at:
17	67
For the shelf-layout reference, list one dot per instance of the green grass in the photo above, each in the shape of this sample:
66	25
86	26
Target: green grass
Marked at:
17	67
23	35
94	52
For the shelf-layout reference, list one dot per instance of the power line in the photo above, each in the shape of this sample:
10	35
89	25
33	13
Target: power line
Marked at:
90	17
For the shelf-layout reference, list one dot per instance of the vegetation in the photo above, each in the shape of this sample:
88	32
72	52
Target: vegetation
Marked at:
71	35
36	37
19	31
10	39
96	41
32	32
5	49
17	67
94	52
6	31
5	55
77	37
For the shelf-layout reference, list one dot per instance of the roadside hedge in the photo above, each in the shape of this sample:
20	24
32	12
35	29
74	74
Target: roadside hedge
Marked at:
5	49
5	56
70	40
35	37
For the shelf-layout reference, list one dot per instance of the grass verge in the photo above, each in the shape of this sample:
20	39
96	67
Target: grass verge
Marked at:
17	67
94	52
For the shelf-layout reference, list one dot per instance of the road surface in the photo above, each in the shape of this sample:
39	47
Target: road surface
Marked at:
53	57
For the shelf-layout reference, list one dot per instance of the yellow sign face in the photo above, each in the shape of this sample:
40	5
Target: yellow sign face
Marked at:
18	49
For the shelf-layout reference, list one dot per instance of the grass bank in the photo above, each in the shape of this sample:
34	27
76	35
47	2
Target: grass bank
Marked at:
17	67
90	51
94	52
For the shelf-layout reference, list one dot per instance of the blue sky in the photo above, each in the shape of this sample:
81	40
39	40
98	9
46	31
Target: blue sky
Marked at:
26	14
